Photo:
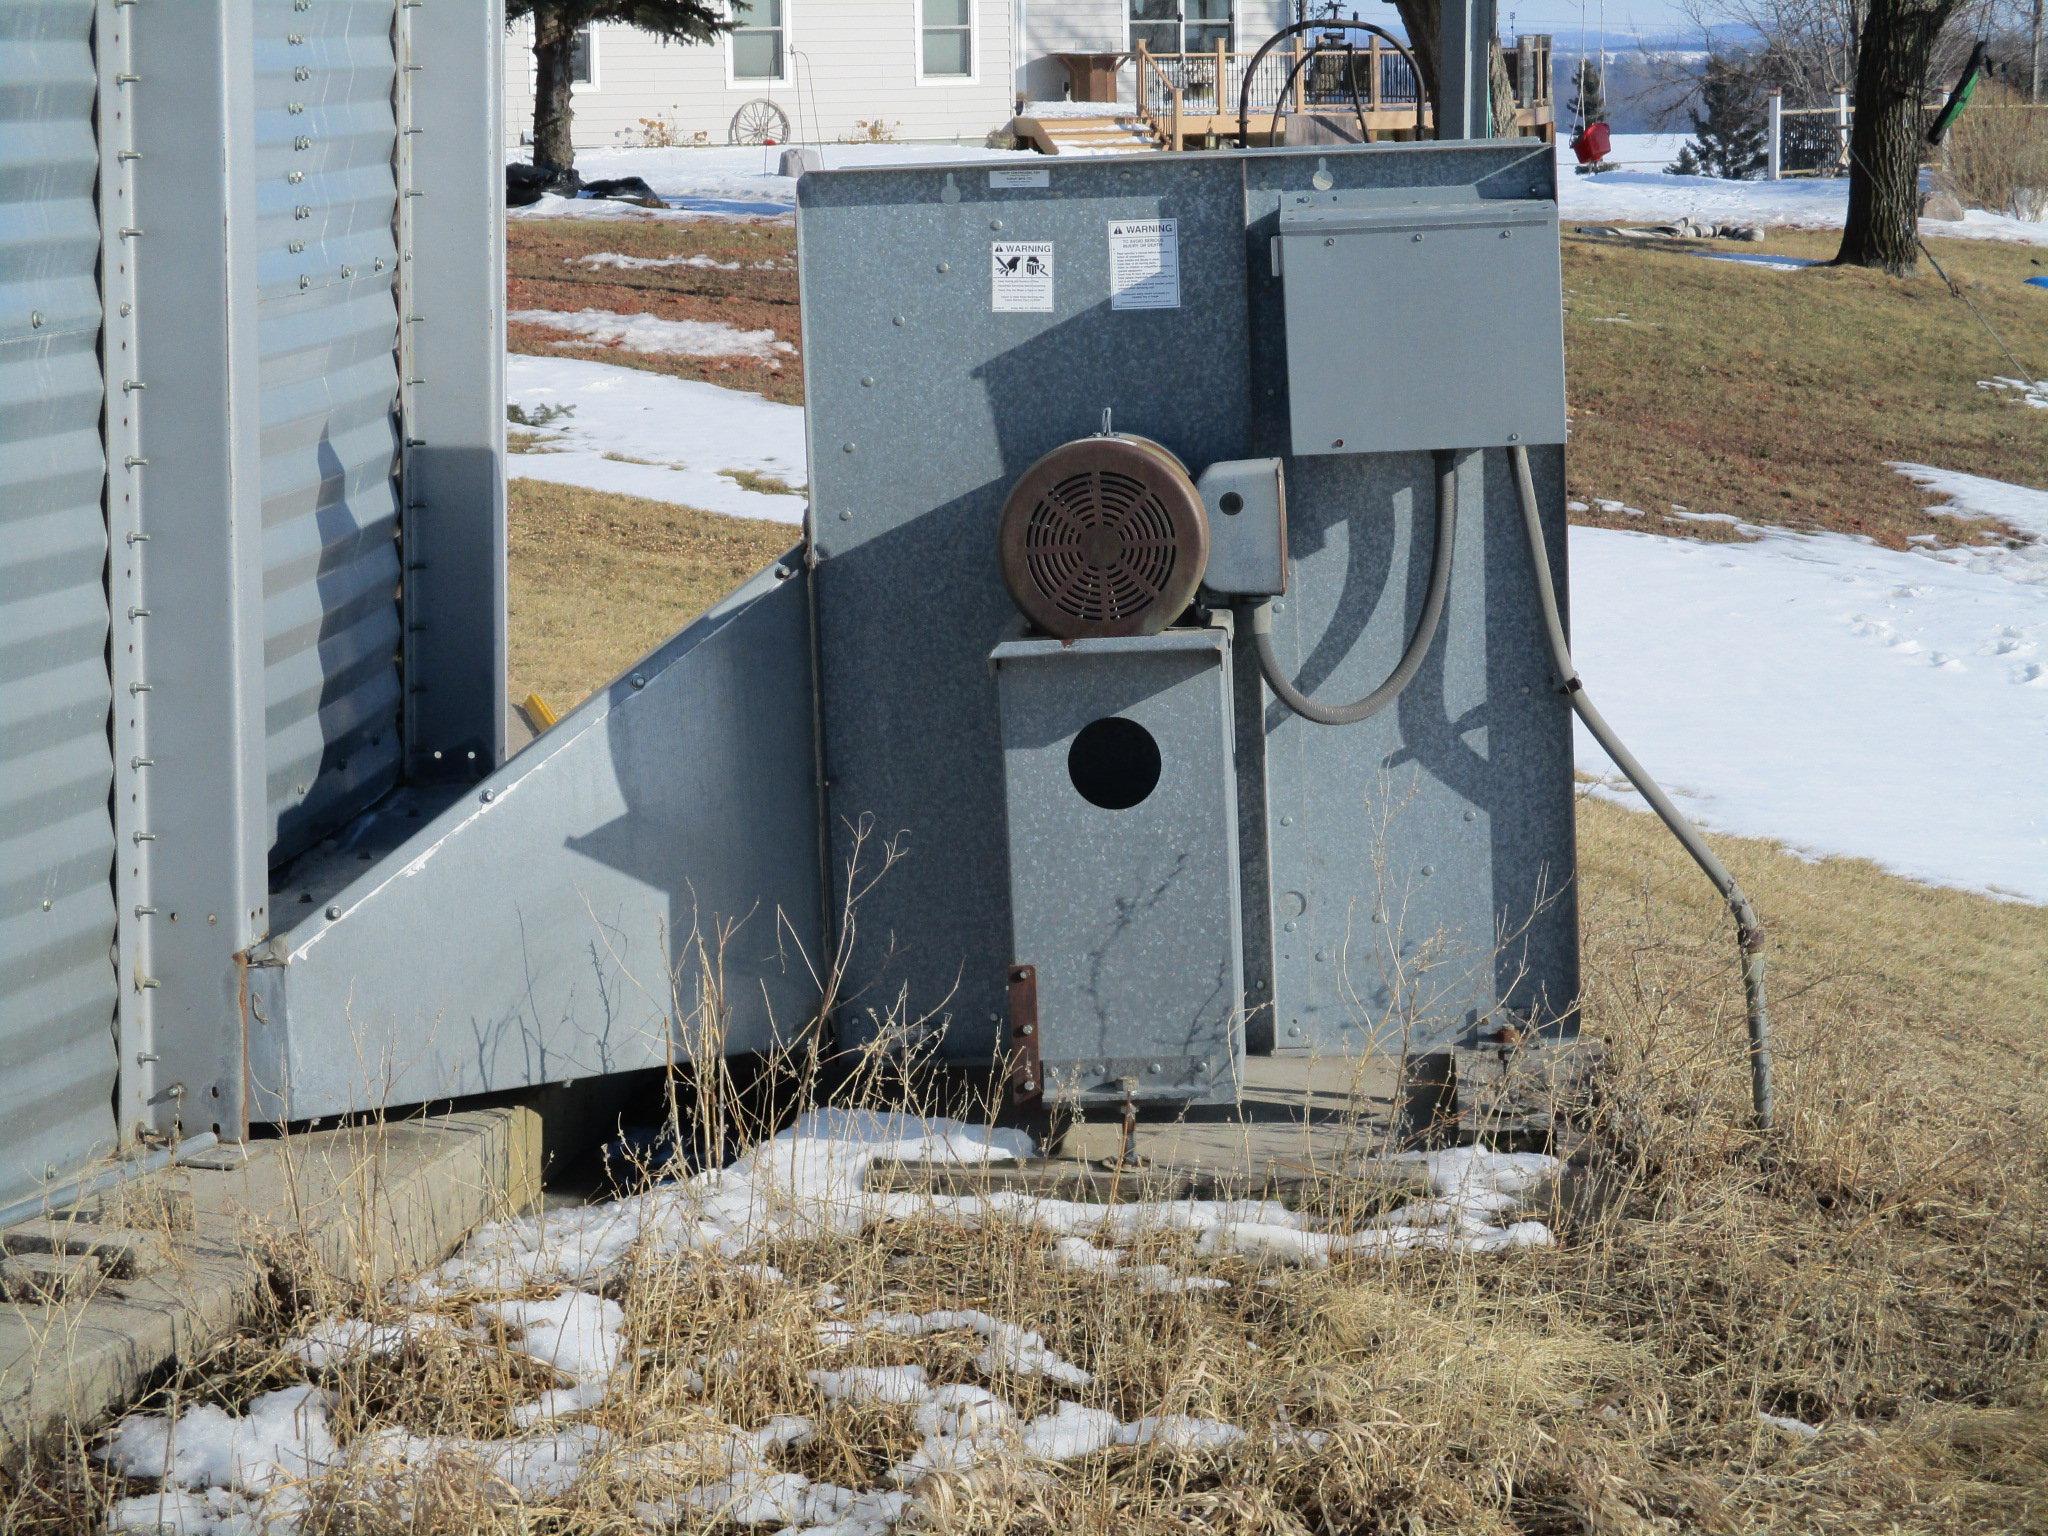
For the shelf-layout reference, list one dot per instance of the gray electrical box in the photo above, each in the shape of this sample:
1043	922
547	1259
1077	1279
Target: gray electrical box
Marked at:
1246	500
1417	325
1121	807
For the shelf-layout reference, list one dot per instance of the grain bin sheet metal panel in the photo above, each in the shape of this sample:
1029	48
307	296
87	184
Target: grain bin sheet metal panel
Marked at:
326	127
57	991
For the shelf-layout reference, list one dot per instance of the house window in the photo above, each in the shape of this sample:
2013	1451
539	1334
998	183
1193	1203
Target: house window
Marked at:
759	40
947	40
583	58
1180	26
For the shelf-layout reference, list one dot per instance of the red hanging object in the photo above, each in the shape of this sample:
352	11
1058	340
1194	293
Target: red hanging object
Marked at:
1591	143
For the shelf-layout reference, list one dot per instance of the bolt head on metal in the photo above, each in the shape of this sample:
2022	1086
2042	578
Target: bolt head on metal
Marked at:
489	795
333	913
639	680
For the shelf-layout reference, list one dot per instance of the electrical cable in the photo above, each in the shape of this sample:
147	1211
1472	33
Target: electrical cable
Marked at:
1418	643
1749	932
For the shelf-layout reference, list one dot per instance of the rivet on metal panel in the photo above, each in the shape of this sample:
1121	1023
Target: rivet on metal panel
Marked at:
333	913
848	448
868	382
1288	926
305	281
142	687
898	320
132	462
295	177
127	154
995	223
488	796
302	74
1428	869
846	517
638	681
1471	815
945	266
130	386
35	319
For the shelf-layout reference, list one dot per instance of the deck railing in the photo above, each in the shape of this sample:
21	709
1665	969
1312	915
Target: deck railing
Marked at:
1175	89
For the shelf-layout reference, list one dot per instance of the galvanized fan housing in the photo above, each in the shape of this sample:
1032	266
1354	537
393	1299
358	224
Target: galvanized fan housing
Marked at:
1104	536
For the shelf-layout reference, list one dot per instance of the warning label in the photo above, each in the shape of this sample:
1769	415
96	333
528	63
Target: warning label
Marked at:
1022	277
1144	264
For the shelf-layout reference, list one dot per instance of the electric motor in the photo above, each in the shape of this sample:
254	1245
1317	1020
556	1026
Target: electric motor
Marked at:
1104	536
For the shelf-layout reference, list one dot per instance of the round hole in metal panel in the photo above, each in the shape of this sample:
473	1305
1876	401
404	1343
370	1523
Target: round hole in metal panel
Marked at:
1114	763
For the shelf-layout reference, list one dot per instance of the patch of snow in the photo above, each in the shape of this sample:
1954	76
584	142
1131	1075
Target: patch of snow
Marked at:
738	181
1008	1347
627	263
1757	680
1070	1432
648	333
1795	1427
689	431
333	1340
281	1436
2034	394
1642	192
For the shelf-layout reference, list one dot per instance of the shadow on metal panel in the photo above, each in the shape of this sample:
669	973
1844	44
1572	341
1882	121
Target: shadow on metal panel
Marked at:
563	917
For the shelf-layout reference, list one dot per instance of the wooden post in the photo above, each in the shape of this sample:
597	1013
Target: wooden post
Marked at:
1525	71
1375	62
1144	87
1222	74
1299	76
1174	142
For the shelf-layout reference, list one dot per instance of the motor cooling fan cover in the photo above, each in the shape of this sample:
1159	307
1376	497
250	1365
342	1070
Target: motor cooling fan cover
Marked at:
1104	536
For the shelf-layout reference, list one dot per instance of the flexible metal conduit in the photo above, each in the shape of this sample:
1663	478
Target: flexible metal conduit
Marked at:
1749	933
1418	643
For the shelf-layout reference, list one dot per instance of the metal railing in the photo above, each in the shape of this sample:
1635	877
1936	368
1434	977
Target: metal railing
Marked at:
1172	89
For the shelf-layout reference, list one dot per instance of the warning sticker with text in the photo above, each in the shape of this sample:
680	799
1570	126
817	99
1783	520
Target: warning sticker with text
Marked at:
1022	277
1144	264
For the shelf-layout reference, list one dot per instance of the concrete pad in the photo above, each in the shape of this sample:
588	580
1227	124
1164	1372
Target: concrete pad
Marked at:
371	1203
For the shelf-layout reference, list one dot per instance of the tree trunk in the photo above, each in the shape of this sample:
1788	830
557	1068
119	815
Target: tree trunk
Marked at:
554	112
1420	18
1884	142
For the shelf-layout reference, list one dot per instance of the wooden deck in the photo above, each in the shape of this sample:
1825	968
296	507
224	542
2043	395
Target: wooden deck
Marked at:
1190	100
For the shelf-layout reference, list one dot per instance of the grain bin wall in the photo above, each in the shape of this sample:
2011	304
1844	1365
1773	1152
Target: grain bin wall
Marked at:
57	982
251	514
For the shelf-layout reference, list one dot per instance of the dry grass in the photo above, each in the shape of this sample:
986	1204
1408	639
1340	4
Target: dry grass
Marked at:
1877	1269
1996	155
598	579
1780	397
754	288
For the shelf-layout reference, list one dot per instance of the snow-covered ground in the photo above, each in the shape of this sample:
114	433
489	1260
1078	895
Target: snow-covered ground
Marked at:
744	182
646	434
1641	192
226	1472
1834	696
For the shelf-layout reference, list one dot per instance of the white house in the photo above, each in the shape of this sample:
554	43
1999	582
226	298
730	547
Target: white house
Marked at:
839	69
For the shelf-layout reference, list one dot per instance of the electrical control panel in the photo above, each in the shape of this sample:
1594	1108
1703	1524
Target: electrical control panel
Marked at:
1421	319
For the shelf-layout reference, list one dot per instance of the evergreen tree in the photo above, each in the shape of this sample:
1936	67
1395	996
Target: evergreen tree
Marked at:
1730	134
555	25
1589	100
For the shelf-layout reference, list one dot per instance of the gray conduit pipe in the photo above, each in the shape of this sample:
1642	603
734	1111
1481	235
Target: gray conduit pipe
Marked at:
1418	643
1749	933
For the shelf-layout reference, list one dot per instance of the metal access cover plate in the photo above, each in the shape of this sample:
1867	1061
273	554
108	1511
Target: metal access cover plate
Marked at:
1121	809
1460	299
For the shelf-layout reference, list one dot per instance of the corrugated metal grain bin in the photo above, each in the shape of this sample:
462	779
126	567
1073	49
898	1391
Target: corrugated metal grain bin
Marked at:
251	514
